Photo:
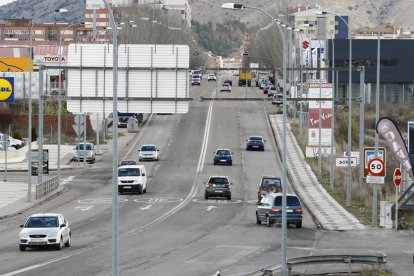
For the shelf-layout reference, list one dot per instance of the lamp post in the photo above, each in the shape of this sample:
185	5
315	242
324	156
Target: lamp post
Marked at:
375	193
349	183
284	155
29	165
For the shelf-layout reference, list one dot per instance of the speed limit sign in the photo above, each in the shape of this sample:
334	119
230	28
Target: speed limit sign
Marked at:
376	167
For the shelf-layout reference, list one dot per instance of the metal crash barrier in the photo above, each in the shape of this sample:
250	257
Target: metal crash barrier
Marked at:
379	260
46	187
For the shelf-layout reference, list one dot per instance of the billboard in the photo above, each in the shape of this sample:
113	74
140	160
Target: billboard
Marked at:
7	89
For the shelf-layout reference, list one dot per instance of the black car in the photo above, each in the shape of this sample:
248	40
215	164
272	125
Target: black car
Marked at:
255	143
218	186
270	210
229	82
269	184
223	156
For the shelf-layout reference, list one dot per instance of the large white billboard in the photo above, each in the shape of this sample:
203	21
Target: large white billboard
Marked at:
151	78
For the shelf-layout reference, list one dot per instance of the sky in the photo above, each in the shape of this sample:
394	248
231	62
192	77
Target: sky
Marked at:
4	2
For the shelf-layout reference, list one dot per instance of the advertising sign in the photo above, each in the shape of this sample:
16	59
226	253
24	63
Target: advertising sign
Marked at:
7	89
326	116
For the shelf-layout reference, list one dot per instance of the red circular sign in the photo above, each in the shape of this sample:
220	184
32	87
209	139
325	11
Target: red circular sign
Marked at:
376	167
397	177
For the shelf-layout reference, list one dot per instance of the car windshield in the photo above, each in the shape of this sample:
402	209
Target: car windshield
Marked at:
128	172
42	222
290	201
223	152
128	162
148	148
81	146
225	84
256	138
271	181
218	180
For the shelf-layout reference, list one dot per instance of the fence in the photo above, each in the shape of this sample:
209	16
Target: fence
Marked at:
46	187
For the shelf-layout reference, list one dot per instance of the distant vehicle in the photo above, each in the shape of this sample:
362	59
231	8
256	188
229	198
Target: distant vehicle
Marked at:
272	91
46	229
269	184
211	77
128	162
195	80
277	99
264	83
255	142
269	210
218	186
132	179
223	156
225	87
12	142
243	75
229	82
198	73
148	152
123	118
84	151
267	88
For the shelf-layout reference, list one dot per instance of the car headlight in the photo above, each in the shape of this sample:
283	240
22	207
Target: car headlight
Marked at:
52	234
24	235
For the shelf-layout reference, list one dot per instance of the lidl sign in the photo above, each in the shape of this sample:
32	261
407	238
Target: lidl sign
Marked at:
7	90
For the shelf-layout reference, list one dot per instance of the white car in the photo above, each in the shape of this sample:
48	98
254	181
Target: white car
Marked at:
12	142
148	152
225	87
79	152
211	77
132	179
46	229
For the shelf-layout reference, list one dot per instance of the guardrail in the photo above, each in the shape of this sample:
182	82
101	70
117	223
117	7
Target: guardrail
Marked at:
380	259
46	187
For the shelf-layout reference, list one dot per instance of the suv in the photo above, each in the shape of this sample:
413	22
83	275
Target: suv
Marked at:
269	184
270	209
84	151
219	186
211	77
46	229
148	152
132	179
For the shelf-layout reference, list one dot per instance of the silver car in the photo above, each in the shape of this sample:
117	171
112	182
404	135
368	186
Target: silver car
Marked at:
84	151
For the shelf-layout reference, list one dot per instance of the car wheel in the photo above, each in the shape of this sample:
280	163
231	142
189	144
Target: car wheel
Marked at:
215	163
231	163
229	197
22	247
139	189
258	221
145	190
60	245
299	225
268	221
67	243
205	196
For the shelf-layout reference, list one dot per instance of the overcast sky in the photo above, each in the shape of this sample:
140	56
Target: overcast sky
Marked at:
4	2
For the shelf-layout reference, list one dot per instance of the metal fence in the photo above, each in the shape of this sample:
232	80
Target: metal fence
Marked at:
46	187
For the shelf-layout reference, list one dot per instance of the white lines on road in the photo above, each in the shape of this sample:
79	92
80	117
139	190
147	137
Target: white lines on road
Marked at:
67	179
47	262
84	208
205	139
146	207
209	208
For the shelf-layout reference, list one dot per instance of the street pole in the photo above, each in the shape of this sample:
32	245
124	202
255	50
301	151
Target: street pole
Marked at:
115	219
332	173
361	124
29	125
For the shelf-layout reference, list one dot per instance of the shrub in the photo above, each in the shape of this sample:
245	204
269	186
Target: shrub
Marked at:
16	135
34	134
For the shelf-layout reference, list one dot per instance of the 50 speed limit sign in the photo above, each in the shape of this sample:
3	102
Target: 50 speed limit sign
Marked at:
376	167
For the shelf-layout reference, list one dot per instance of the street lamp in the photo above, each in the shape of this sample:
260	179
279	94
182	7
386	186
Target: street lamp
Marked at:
29	165
234	6
349	183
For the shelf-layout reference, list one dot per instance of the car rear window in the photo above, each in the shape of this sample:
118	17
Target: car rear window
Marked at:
223	152
148	148
218	180
128	172
128	162
255	138
271	181
290	201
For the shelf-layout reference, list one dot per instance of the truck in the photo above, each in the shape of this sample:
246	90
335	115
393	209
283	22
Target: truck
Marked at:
123	118
243	74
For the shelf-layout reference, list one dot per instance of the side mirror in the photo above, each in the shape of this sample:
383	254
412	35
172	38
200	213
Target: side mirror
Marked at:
158	150
62	225
143	174
21	225
264	140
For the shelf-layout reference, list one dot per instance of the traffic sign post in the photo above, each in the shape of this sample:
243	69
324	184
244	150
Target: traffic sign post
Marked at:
376	171
397	177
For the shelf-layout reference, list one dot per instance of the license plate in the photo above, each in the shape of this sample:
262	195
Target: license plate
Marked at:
126	187
222	160
289	211
255	146
36	240
218	191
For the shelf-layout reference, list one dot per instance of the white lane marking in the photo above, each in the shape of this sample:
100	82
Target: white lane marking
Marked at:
209	208
205	139
67	179
158	200
216	201
84	208
146	207
46	262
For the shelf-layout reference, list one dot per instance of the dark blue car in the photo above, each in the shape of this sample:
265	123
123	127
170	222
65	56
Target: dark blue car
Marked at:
255	143
223	156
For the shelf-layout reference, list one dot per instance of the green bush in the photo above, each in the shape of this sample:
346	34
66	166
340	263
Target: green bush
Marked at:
16	135
34	134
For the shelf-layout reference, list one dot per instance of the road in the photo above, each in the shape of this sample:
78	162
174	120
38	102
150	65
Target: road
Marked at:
172	229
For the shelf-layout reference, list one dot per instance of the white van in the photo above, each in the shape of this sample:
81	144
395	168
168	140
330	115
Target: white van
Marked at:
132	179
